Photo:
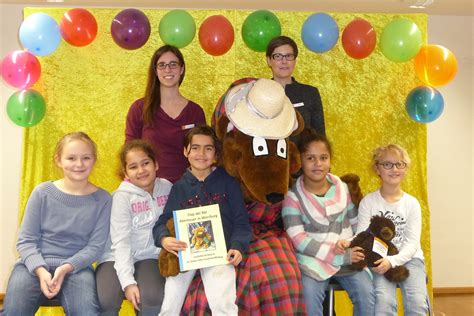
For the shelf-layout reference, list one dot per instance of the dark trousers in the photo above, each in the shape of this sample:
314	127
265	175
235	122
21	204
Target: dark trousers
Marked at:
149	280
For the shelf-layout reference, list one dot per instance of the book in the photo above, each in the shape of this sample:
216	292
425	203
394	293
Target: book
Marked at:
201	229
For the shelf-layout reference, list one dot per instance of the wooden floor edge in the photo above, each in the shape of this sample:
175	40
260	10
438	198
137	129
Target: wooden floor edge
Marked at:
452	290
436	291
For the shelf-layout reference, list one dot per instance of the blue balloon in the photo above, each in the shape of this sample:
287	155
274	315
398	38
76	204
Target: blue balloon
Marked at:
39	34
320	32
424	104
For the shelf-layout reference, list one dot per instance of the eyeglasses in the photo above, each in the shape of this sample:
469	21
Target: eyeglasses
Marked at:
288	57
171	65
389	165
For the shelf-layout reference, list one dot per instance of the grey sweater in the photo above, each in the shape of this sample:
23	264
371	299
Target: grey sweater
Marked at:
61	228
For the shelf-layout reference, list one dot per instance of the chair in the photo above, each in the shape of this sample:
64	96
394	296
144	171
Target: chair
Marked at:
332	286
335	286
54	302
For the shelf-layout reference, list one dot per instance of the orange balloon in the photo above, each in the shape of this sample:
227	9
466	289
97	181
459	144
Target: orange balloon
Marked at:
435	65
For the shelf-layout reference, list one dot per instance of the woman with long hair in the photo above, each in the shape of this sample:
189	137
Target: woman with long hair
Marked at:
164	115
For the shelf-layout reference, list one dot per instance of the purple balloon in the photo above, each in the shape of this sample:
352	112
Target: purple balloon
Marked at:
130	29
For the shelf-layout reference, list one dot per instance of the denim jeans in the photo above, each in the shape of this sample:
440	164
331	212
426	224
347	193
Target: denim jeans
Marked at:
414	292
78	294
358	285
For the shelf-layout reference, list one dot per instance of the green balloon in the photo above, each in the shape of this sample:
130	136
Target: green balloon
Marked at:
26	108
400	40
259	28
177	28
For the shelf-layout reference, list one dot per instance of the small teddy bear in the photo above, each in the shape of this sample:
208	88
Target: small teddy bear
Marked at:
376	243
201	238
168	262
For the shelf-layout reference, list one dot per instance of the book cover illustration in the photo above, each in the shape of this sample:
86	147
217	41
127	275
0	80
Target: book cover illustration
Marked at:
201	237
201	229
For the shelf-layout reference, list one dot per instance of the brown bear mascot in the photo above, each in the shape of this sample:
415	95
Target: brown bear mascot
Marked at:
254	122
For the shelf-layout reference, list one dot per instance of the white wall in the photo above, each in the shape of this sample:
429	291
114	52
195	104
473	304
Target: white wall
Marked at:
450	153
11	137
450	160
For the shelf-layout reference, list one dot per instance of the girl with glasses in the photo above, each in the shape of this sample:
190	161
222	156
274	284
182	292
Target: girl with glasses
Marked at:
164	115
281	53
391	163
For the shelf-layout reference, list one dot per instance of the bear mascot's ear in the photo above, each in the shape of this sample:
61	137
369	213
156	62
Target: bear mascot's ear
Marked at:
300	128
168	262
231	155
221	126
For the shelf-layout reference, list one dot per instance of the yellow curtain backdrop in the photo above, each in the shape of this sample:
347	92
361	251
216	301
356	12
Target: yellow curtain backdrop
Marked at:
91	88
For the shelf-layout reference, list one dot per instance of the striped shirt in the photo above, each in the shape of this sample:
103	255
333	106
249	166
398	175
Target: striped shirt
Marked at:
316	223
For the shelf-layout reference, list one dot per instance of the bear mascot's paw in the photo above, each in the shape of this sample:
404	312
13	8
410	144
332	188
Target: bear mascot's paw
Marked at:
376	243
352	181
168	262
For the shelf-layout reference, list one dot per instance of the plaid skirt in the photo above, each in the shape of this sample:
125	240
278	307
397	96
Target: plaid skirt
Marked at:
268	278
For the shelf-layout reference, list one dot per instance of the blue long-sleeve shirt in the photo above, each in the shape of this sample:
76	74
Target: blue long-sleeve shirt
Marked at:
60	228
218	187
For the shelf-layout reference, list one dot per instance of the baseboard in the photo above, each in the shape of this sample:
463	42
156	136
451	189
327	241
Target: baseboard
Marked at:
453	290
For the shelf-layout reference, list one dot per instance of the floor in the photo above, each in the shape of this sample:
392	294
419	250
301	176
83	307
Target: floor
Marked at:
454	305
444	305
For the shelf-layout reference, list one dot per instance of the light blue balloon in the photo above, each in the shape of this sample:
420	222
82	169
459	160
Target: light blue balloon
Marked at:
39	34
320	32
424	104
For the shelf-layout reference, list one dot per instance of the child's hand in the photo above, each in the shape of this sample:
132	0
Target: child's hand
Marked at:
357	254
382	266
173	245
59	275
234	257
132	293
46	284
341	246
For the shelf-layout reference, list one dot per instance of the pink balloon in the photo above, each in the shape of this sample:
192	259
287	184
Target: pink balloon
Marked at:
20	69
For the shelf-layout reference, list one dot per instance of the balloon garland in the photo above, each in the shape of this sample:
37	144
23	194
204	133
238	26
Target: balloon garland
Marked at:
400	41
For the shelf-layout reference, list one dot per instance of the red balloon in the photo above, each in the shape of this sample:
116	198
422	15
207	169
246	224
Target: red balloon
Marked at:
216	35
358	39
78	27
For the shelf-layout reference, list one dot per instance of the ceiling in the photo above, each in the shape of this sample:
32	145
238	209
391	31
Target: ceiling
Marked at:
438	7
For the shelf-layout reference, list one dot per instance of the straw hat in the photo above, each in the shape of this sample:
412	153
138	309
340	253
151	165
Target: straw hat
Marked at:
261	109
